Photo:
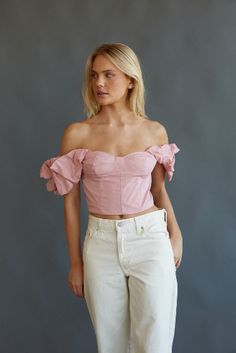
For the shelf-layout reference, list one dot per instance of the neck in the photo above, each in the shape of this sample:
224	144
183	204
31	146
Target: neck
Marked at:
116	115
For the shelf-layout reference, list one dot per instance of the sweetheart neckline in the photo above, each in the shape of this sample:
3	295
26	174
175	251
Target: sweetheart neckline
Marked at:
126	155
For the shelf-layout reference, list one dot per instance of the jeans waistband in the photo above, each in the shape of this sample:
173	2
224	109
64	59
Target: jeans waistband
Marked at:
138	221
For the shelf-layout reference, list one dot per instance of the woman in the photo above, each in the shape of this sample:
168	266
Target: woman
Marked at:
127	269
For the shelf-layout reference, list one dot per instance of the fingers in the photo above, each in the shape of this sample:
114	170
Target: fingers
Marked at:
77	289
177	263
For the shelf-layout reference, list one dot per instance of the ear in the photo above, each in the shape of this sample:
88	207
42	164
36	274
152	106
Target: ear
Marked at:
131	84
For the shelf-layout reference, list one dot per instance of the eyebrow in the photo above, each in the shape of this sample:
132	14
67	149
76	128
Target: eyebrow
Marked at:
109	70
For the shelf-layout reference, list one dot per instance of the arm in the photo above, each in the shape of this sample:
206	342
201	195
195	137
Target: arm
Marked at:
72	220
162	200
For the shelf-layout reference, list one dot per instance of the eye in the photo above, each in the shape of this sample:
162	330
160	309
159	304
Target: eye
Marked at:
109	75
93	75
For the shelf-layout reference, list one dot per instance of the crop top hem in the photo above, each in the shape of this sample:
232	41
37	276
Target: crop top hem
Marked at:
115	212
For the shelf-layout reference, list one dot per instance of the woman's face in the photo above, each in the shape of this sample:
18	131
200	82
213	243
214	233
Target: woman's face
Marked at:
109	84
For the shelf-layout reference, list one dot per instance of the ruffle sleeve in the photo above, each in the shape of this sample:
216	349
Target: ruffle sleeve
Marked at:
165	155
63	171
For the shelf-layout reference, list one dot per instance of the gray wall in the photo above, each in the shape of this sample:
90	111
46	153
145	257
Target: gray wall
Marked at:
188	53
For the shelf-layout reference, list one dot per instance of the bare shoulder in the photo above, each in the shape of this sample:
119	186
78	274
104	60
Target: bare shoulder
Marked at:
74	135
157	130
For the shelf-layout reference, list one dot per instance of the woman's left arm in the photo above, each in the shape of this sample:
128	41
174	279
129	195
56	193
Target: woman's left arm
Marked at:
162	200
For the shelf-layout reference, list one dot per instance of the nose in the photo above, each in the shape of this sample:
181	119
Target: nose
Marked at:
99	82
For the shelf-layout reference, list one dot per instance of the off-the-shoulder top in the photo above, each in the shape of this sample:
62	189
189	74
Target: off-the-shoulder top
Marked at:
113	185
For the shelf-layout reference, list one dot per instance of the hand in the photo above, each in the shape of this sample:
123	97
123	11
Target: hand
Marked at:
75	280
177	246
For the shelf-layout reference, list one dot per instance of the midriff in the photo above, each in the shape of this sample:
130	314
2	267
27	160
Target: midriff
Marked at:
151	209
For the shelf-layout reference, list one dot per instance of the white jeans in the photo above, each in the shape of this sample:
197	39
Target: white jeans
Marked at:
130	283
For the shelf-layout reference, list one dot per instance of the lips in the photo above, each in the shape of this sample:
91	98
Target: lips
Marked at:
101	93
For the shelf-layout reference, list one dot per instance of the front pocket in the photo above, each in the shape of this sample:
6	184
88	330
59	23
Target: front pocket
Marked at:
155	229
94	233
89	235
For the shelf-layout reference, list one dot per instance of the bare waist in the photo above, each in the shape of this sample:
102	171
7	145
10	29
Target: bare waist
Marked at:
151	209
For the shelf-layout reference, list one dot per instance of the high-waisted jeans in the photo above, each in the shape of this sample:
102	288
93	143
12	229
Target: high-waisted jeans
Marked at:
130	283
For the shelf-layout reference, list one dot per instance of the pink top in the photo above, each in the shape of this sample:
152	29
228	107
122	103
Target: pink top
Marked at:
113	185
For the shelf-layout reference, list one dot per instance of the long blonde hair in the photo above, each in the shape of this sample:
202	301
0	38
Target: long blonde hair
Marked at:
126	60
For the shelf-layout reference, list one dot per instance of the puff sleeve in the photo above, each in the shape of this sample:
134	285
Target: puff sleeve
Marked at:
63	171
165	154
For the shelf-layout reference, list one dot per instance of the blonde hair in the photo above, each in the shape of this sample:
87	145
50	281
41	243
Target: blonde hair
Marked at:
126	60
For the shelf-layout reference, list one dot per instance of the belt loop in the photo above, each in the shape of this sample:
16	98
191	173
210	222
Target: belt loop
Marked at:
99	224
139	225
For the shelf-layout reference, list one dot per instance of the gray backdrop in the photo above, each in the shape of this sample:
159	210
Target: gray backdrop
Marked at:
188	53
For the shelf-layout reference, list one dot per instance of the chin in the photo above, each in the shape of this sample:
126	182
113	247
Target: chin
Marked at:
102	103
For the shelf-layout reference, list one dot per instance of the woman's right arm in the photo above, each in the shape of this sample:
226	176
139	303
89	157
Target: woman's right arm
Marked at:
72	218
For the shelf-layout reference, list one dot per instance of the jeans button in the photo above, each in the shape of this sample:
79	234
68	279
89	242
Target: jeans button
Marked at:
119	224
